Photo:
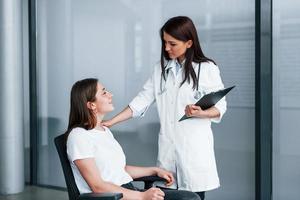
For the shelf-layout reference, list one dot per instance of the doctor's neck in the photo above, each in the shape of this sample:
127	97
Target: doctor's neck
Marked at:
180	59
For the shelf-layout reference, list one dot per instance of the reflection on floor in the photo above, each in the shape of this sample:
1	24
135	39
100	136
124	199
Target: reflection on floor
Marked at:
37	193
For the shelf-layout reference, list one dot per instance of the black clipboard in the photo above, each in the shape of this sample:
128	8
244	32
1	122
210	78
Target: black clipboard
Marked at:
209	100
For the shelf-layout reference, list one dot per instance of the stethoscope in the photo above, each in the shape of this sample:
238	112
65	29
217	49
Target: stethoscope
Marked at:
197	95
162	90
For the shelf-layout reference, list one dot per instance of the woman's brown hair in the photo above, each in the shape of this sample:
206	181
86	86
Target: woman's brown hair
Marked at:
83	91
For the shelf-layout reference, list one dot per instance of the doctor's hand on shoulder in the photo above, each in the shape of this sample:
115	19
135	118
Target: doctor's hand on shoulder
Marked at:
192	110
122	116
107	123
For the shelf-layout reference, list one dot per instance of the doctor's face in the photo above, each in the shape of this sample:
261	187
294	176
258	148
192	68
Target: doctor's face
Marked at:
176	48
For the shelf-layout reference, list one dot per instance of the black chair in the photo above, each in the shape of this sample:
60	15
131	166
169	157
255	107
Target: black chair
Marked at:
73	191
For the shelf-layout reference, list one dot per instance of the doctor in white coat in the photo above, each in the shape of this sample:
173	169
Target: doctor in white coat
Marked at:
182	76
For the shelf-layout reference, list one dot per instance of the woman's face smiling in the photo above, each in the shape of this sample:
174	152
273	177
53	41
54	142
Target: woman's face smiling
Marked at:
176	48
103	102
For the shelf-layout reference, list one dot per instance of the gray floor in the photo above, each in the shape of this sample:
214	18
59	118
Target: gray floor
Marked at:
37	193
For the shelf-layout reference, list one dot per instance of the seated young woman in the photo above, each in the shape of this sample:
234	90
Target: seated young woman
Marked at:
97	159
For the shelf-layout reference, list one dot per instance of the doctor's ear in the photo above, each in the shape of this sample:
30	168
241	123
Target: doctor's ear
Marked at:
189	43
91	105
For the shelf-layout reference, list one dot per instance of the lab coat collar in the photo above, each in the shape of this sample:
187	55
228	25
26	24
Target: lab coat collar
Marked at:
172	63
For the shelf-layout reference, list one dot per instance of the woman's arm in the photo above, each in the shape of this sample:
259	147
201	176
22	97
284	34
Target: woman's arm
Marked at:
137	172
91	175
122	116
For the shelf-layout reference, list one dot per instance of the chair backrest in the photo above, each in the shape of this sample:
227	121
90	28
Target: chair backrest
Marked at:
69	177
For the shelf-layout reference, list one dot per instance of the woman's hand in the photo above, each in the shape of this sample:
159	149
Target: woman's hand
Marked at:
195	111
153	194
168	176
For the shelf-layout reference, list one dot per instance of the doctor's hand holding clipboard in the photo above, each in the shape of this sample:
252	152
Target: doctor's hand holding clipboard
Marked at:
200	108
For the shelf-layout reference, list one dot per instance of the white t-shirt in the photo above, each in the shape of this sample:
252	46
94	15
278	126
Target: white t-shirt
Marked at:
107	152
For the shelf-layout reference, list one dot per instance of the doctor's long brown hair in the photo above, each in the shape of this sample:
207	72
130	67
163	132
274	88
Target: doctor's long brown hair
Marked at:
182	28
82	92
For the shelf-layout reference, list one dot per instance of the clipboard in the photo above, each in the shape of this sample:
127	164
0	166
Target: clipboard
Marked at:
209	100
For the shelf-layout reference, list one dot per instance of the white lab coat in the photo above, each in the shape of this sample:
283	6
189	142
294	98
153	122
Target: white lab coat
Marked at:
186	148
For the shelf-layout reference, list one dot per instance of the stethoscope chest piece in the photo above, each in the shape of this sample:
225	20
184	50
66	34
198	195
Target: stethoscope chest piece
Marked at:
198	95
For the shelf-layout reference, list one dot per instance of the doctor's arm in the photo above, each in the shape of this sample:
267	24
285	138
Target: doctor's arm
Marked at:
213	82
196	111
138	106
122	116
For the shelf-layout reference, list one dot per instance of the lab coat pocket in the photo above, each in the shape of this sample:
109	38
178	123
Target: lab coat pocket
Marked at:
197	151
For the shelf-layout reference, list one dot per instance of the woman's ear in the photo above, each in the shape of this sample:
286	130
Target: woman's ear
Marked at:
189	43
91	105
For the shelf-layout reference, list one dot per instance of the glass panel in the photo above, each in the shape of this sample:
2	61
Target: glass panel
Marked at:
54	69
286	98
227	34
118	42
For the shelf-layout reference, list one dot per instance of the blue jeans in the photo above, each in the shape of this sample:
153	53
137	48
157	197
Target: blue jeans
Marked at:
170	194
